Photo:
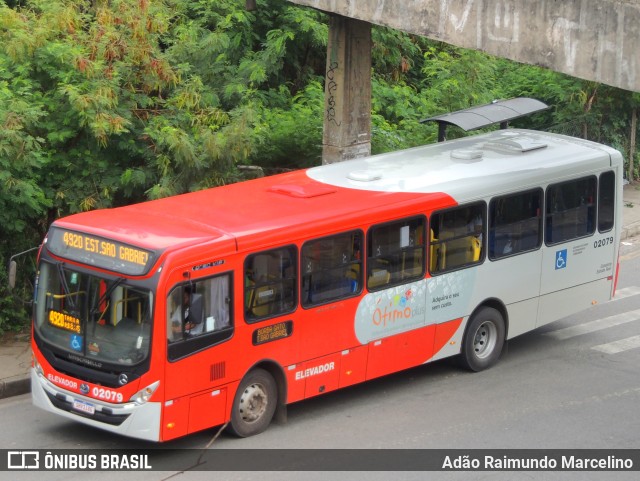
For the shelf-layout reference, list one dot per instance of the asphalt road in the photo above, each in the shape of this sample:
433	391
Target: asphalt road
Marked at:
569	385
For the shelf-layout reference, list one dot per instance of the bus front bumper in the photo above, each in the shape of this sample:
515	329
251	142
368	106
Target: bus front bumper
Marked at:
141	421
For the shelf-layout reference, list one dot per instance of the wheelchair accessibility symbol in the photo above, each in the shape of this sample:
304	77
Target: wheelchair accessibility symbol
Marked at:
561	259
76	342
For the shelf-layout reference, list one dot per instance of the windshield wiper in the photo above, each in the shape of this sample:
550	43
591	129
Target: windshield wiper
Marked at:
65	286
107	293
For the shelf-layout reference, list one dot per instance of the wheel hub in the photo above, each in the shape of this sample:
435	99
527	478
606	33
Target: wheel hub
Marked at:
484	340
253	403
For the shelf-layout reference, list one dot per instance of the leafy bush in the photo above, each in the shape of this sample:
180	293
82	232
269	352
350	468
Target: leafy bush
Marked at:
105	103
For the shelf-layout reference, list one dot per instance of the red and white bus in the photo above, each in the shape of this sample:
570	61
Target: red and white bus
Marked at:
167	317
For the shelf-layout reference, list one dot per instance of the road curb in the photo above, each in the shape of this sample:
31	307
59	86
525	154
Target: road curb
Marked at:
631	230
15	387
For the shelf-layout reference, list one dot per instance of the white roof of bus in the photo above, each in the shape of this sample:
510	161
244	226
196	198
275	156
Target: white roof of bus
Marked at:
472	167
264	211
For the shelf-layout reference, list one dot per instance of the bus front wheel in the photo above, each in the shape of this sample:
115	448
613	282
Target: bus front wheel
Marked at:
254	404
483	339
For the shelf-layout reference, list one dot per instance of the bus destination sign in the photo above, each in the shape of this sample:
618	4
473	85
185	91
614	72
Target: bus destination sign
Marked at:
64	321
272	333
100	252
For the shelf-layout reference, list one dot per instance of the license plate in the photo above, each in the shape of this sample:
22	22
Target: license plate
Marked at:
85	407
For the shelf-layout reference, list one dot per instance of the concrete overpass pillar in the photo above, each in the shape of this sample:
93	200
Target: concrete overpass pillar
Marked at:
347	116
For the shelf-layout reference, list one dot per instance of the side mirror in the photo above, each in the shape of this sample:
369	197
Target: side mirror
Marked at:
13	268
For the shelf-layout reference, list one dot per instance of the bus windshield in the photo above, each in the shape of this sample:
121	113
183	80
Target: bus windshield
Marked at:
102	319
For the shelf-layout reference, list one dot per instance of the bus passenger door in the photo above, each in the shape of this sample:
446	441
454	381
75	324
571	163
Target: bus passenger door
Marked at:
515	257
579	258
198	326
575	276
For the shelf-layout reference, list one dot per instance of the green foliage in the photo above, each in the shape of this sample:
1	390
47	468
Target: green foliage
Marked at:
23	203
109	102
457	79
397	109
290	136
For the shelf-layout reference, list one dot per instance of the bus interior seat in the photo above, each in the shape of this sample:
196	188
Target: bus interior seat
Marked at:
476	249
353	275
378	278
354	272
196	312
250	292
262	300
415	267
261	297
436	254
462	250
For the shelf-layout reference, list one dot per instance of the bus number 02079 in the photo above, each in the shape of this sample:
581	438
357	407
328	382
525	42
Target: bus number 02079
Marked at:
107	394
603	242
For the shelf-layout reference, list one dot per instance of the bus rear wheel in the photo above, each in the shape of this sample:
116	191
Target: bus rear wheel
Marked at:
254	404
483	339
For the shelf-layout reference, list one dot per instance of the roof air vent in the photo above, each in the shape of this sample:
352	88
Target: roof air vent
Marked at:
364	175
466	154
520	144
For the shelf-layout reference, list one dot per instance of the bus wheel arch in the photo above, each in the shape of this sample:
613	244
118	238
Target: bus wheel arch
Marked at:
499	306
278	374
260	396
484	336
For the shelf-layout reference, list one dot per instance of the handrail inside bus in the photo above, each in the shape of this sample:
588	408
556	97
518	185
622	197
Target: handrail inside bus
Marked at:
64	296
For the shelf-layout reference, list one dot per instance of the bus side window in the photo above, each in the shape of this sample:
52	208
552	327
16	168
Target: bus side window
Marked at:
570	211
270	283
457	237
199	314
515	224
606	201
396	253
331	268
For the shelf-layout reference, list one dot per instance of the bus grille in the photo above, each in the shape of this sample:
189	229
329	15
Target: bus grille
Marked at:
103	416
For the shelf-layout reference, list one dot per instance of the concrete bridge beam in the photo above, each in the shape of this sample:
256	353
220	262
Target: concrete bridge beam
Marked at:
596	40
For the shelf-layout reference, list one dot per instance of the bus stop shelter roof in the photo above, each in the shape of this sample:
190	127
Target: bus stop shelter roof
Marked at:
499	111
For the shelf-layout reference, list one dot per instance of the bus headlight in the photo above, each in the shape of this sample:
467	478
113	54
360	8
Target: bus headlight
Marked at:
145	394
37	367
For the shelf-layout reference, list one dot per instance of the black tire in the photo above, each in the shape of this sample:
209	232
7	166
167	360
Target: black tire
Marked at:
254	404
483	340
